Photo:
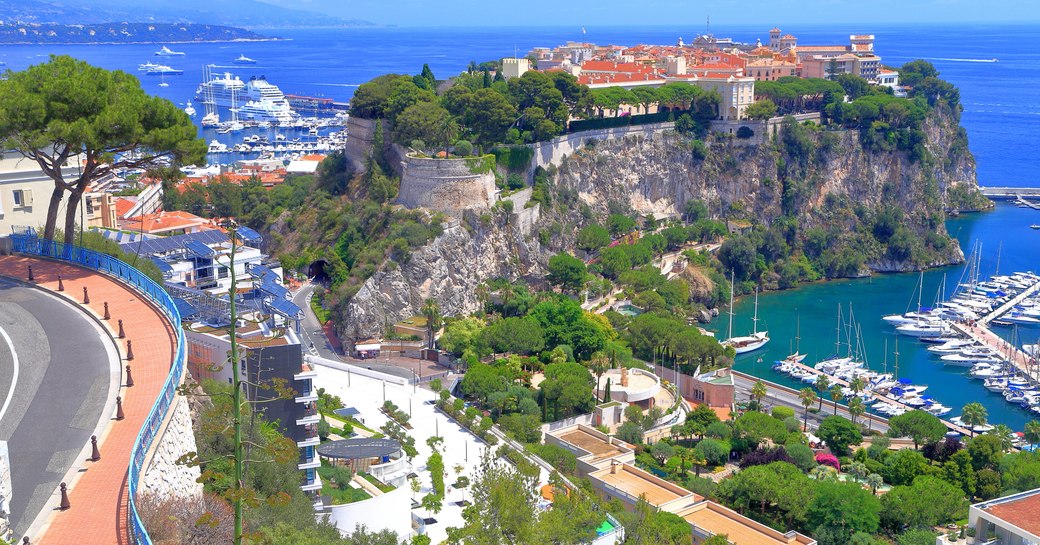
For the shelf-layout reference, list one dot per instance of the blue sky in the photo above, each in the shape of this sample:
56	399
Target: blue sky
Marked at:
650	12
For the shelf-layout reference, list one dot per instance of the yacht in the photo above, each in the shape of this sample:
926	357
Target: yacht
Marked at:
256	99
926	329
217	147
162	69
167	52
242	59
190	110
266	110
144	67
746	343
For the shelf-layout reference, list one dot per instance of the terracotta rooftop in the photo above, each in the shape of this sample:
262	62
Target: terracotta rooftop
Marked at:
1023	512
162	222
599	448
123	205
739	529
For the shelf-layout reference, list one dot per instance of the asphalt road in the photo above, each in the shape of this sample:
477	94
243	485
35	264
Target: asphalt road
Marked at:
780	395
62	386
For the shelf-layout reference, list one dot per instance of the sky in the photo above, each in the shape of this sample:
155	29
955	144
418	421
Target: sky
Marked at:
651	12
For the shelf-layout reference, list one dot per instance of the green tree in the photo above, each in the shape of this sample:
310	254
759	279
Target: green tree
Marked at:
845	507
1032	433
902	467
974	415
919	536
568	272
713	451
839	433
761	109
503	509
423	121
920	426
957	470
986	450
461	334
662	451
928	502
620	224
592	237
836	395
758	392
66	110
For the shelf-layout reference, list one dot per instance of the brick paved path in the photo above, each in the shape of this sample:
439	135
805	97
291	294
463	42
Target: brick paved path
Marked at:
99	504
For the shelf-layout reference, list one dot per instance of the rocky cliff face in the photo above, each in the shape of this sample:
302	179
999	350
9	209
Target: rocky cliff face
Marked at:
831	180
449	269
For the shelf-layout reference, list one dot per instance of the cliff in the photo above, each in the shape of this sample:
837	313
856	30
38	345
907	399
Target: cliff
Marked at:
811	177
450	269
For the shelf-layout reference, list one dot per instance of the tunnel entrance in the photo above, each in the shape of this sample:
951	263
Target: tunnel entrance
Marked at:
317	271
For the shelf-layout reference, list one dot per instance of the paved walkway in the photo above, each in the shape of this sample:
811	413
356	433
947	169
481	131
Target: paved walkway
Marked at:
98	495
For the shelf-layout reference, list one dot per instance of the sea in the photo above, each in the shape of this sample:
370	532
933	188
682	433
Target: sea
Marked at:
993	65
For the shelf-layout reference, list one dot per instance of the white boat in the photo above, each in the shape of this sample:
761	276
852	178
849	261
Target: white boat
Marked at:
167	52
938	409
217	147
961	360
923	330
163	70
210	120
190	110
242	59
147	66
746	343
977	429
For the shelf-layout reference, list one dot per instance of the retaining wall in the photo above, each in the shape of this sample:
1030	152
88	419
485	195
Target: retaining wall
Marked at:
163	476
445	185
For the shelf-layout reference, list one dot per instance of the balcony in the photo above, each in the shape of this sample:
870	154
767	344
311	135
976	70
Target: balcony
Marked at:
307	396
306	372
311	484
310	436
309	415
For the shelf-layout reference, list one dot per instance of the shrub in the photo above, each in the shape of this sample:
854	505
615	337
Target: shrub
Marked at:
515	181
764	456
745	132
782	413
831	460
463	148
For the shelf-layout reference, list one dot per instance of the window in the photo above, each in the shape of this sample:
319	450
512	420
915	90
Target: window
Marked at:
22	197
223	272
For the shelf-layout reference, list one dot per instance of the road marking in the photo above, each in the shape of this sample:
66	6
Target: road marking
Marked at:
14	378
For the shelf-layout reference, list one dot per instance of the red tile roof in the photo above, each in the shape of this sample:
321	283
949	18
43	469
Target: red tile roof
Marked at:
1024	512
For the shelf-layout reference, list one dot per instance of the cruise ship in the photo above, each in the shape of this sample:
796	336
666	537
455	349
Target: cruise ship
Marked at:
256	99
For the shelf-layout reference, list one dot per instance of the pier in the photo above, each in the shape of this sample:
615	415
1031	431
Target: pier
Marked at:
1002	309
1009	193
1004	349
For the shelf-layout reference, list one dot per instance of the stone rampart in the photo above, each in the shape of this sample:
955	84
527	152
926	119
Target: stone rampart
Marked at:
446	185
553	151
360	135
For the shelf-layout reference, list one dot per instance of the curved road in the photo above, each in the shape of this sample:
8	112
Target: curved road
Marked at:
63	381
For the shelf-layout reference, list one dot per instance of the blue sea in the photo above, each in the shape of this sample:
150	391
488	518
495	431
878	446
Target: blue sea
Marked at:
994	66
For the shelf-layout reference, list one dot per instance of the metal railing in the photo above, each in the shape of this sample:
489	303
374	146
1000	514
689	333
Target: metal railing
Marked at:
27	244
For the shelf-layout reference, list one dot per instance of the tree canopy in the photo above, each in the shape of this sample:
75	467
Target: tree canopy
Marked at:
68	110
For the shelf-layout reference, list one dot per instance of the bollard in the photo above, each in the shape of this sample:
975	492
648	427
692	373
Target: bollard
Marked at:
64	498
25	540
95	454
86	298
107	315
121	334
31	279
61	286
119	408
129	377
129	350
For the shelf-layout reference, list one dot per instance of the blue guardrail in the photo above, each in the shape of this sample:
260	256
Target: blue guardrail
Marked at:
32	245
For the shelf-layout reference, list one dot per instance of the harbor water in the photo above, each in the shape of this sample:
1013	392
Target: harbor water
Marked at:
813	311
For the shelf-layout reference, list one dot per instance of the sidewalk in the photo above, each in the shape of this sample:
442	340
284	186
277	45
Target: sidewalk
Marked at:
98	495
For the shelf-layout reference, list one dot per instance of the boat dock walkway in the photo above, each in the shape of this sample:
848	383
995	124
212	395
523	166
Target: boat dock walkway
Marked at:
1004	350
1009	193
884	397
1002	309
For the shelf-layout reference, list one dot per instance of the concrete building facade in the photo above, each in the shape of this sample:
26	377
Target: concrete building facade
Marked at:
1011	520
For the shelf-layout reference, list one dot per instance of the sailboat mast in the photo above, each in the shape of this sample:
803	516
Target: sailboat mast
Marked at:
999	248
896	372
732	287
755	319
837	333
798	334
920	290
885	364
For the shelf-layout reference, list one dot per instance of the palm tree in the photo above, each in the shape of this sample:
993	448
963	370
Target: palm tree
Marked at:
856	408
874	481
1003	433
857	385
973	415
432	312
685	455
1033	433
808	397
758	392
598	365
836	396
822	384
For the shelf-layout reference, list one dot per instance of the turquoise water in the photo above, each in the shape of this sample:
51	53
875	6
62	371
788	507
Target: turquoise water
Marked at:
1005	230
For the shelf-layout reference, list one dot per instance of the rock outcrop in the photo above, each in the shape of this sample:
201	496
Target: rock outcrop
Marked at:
450	269
828	183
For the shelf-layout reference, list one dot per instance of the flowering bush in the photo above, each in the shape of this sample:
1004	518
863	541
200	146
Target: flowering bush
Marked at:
828	460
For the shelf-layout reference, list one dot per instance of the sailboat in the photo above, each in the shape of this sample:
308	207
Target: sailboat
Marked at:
748	343
796	356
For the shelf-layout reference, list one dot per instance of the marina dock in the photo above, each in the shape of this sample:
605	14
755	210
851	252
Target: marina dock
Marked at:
1005	350
1009	193
1003	309
883	397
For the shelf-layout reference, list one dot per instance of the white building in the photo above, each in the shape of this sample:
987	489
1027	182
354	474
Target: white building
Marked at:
25	193
1011	520
514	68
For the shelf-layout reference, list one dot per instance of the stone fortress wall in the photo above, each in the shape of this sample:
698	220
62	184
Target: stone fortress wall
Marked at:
445	185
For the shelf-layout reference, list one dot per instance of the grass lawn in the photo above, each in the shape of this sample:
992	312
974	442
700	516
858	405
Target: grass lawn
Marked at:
378	484
322	314
339	496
